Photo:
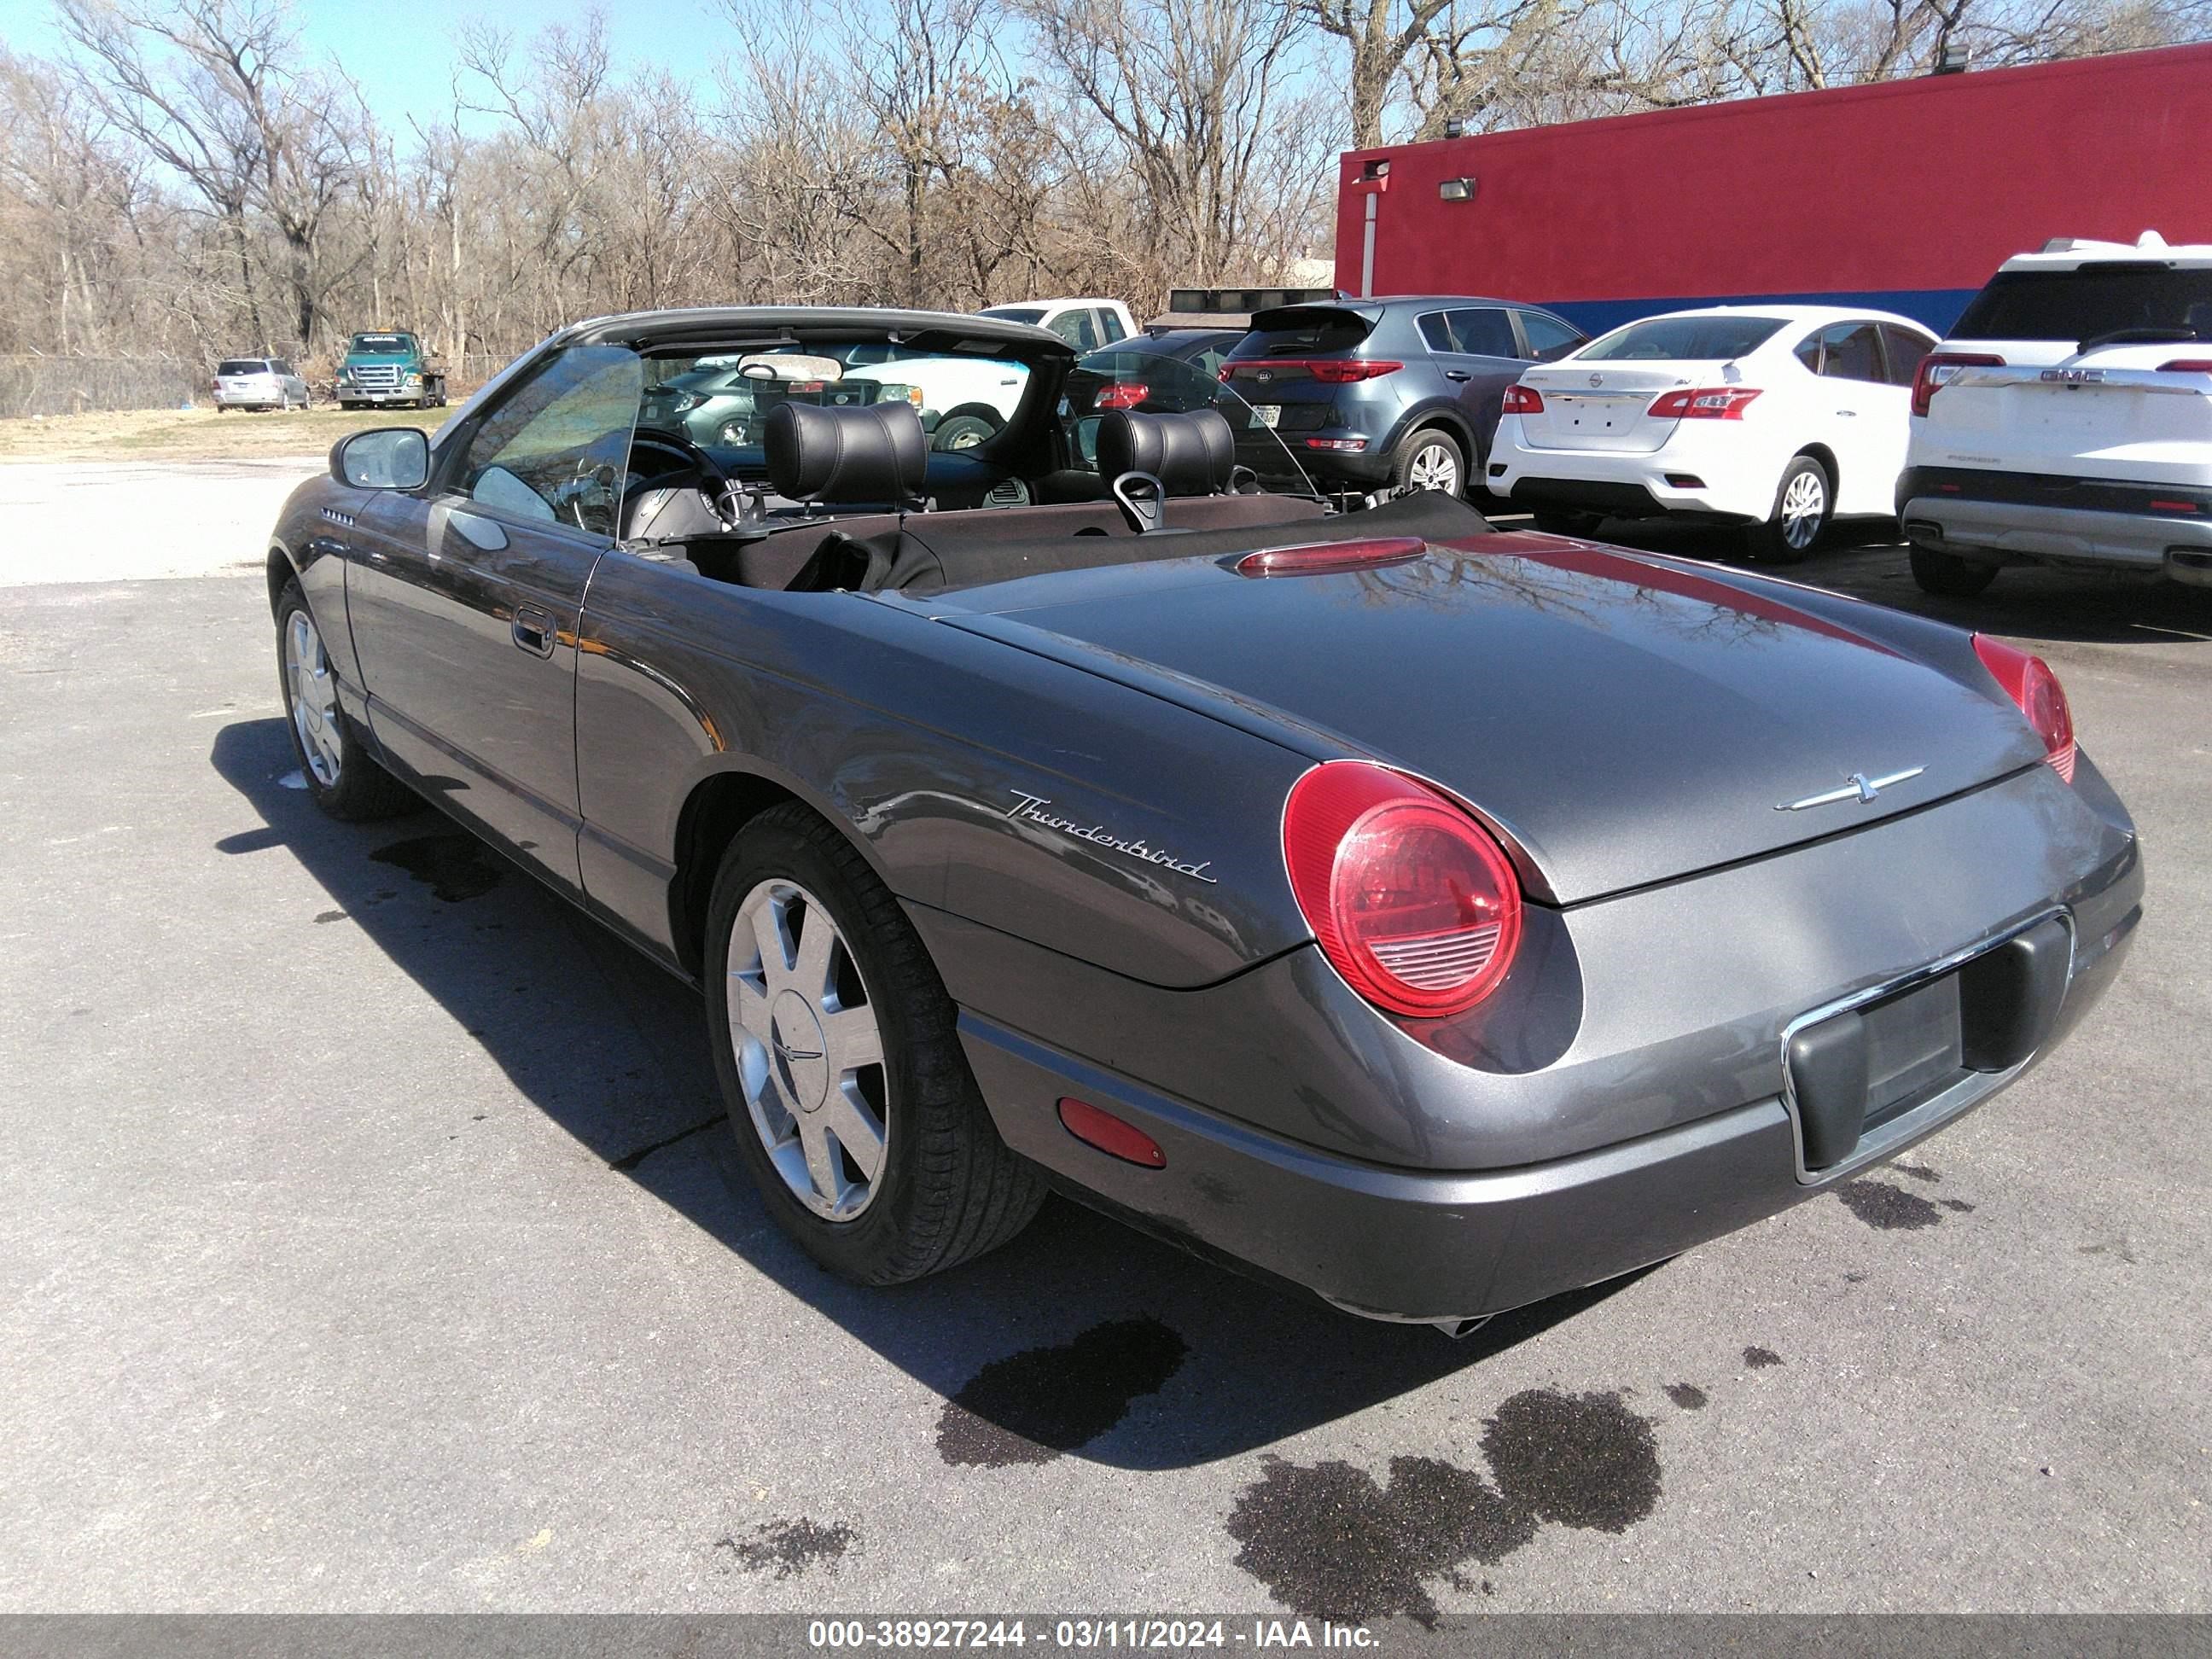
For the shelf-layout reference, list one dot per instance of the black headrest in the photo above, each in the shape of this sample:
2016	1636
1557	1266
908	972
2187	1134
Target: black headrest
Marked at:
1191	455
872	454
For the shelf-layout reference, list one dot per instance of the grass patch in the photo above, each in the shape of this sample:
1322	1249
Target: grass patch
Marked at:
195	434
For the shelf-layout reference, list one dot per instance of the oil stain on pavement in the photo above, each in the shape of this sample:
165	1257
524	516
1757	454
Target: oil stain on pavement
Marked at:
1688	1396
1032	1406
788	1548
1329	1541
1756	1358
453	867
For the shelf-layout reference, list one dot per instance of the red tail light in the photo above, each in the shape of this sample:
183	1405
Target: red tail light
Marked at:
1410	899
2029	682
1336	371
2187	366
1524	400
1127	394
1710	403
1937	369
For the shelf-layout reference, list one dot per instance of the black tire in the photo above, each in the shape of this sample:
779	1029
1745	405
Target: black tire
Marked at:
1949	575
1772	541
361	789
949	1188
1426	450
963	428
1558	521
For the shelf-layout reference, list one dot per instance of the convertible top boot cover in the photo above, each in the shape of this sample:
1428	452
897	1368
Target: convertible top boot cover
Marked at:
939	553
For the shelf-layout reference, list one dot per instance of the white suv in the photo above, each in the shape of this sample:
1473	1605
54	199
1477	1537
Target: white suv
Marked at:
2068	420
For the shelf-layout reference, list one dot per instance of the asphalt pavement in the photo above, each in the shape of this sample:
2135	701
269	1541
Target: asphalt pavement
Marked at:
370	1239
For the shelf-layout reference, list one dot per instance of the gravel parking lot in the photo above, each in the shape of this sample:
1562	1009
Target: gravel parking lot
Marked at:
368	1240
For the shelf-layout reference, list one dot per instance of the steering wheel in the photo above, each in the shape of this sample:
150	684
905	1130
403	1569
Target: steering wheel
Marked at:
713	481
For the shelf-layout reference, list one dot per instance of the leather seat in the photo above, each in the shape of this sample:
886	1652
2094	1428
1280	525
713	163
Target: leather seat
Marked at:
870	454
1191	455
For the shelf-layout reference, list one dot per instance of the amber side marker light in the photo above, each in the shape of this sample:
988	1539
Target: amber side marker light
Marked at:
1109	1134
1318	558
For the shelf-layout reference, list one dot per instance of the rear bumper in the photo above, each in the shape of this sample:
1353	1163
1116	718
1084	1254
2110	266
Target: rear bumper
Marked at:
405	395
1952	524
1628	485
1413	1245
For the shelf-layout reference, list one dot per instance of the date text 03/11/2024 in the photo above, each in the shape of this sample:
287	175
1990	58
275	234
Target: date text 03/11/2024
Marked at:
1256	1635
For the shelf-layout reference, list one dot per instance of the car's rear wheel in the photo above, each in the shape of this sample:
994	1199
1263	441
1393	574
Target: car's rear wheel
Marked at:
854	1111
1949	575
343	776
1429	459
1803	502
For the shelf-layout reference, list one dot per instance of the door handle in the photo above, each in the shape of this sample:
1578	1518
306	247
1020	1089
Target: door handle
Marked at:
1853	413
534	631
1457	374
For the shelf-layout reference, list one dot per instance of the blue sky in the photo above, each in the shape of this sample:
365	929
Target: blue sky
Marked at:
402	50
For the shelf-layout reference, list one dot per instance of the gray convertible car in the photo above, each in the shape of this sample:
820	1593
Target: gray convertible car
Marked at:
1431	918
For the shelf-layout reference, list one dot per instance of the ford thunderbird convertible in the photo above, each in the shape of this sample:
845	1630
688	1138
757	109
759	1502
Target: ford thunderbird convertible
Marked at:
1428	917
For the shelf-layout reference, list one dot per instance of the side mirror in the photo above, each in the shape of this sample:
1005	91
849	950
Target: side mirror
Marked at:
389	458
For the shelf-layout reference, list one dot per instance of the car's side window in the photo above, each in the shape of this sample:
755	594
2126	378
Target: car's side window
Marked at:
1808	351
1906	350
1484	332
1549	339
555	451
1110	327
1077	329
1435	332
1851	351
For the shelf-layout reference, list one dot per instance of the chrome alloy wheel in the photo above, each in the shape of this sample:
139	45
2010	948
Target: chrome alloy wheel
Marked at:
809	1051
1804	504
1434	467
315	698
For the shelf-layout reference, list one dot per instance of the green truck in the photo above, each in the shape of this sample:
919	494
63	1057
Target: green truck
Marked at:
390	366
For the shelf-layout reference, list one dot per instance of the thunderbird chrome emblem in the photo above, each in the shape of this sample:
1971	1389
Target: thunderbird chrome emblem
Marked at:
1031	809
1858	787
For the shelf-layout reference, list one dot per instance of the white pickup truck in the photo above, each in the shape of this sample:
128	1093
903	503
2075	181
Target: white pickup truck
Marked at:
1086	325
2067	419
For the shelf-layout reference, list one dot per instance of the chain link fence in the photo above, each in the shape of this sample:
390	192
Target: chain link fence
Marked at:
77	385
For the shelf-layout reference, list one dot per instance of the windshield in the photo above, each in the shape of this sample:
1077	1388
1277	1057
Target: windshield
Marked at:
2100	298
242	365
1683	339
1017	313
383	342
1119	378
721	401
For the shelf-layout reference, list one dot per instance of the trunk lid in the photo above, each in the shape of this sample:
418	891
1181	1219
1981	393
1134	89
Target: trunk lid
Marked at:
2109	414
1599	407
1629	719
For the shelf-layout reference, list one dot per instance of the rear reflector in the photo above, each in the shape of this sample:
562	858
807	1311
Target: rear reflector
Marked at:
2174	506
2028	681
1336	443
1109	1134
1709	403
1685	481
1316	559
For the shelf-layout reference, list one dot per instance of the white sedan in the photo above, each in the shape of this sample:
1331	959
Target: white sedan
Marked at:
1781	417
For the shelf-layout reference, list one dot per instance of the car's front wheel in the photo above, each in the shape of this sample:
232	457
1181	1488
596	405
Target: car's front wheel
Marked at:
1949	575
343	776
855	1110
1803	502
1429	459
